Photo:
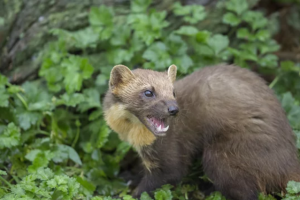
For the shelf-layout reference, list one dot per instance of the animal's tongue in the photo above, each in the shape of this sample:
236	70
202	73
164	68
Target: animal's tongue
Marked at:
158	122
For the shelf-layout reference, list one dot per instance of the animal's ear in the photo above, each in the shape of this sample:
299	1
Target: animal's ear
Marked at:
172	71
119	75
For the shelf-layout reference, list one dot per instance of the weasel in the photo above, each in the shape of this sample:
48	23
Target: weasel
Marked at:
224	114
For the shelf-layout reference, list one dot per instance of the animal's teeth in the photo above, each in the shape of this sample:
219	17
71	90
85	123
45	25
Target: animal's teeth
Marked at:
159	128
165	129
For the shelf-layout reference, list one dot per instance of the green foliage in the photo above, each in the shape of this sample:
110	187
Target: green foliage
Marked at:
237	6
44	184
10	136
54	142
265	197
292	109
2	21
293	191
256	43
70	74
191	14
215	196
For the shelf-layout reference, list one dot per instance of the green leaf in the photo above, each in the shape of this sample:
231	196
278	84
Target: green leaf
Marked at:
40	160
163	194
268	46
263	35
97	198
13	89
84	38
190	13
10	136
265	197
3	98
187	30
76	69
103	136
255	19
297	133
287	101
288	66
202	36
128	197
269	60
3	172
32	154
176	45
218	43
102	16
293	187
52	75
121	35
180	10
215	196
101	80
231	19
37	97
92	100
3	80
244	33
292	110
85	68
158	54
246	55
86	184
64	152
119	55
73	155
249	47
152	24
94	115
27	119
237	6
73	83
198	14
2	21
43	184
145	196
70	99
140	5
204	50
294	115
184	63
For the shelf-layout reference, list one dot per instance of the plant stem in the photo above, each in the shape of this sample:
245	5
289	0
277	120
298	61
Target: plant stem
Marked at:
15	178
5	181
76	137
274	82
42	132
22	100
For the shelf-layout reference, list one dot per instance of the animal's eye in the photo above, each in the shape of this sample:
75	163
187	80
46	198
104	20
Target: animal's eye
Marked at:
148	93
174	93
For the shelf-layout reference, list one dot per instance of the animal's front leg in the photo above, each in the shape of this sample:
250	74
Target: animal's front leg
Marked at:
159	176
149	182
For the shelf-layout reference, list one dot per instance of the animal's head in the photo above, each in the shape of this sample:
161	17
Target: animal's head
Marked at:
148	95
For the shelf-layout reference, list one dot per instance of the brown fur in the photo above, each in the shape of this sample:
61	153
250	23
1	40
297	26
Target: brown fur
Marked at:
227	116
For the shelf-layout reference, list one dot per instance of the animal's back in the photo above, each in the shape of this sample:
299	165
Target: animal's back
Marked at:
231	115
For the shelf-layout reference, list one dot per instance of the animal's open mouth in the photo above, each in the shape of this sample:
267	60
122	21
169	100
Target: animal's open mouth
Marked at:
159	126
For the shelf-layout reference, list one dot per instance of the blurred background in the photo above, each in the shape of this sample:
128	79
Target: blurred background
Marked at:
55	60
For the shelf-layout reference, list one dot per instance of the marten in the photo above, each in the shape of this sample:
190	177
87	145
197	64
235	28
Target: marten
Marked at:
225	115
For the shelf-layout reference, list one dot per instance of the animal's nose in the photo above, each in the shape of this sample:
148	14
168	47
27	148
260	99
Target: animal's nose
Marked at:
173	110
